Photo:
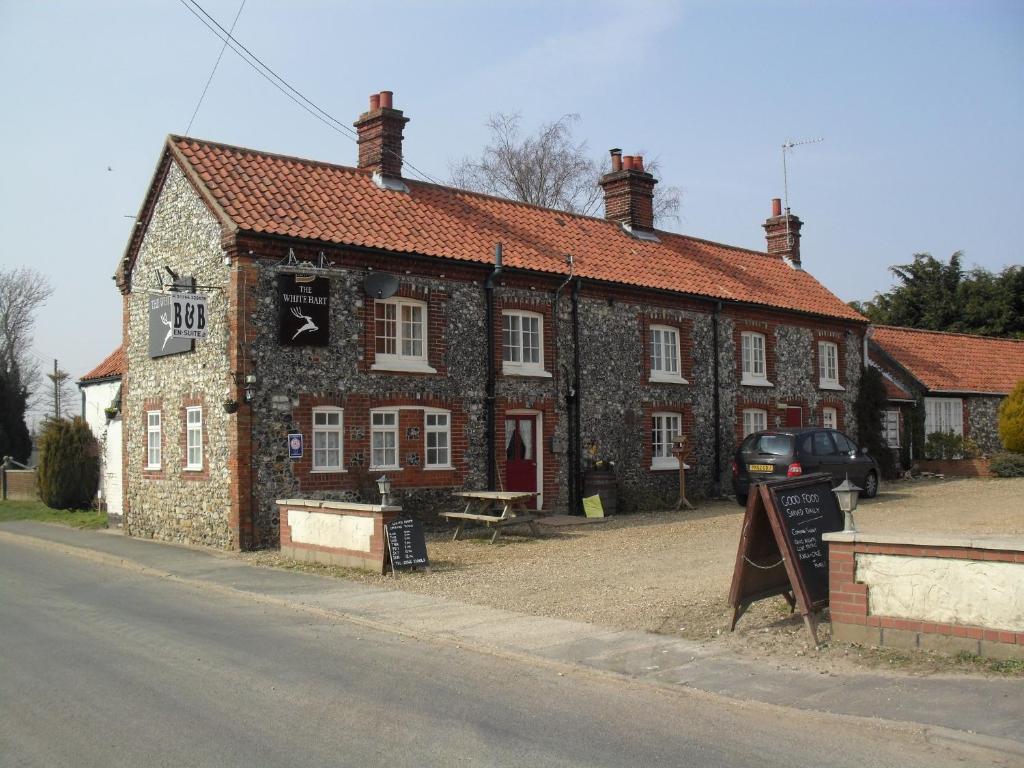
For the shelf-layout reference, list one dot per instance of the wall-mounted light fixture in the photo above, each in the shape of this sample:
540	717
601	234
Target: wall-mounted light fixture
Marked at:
384	486
250	387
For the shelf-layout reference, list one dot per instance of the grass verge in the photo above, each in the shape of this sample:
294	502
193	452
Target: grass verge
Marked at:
36	510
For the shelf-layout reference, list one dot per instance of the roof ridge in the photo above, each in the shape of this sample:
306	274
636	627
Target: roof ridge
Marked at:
949	333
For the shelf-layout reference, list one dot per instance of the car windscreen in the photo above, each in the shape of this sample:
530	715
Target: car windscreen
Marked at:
776	445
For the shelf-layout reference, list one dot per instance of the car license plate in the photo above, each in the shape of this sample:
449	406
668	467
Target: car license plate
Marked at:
760	468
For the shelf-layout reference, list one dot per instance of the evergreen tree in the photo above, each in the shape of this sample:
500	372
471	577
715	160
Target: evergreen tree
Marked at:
69	464
868	407
15	440
935	296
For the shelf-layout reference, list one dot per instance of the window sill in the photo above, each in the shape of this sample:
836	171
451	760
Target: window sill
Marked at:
665	464
402	366
154	468
194	469
328	471
383	469
438	469
755	383
539	373
832	385
667	378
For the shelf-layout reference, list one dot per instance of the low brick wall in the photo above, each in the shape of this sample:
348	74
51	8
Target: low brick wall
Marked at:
20	484
335	532
940	593
957	467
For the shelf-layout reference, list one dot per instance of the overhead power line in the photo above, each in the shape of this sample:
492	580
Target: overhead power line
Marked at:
280	83
213	71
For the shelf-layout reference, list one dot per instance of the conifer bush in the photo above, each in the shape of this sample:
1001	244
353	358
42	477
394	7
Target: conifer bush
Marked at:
69	464
1011	420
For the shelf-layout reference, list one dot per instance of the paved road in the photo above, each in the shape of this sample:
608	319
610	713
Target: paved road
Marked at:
100	666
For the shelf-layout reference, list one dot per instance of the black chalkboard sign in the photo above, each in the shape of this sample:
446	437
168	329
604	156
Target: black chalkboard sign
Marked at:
407	547
781	551
806	510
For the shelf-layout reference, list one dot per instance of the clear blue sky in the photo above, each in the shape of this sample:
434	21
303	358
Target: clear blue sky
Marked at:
921	105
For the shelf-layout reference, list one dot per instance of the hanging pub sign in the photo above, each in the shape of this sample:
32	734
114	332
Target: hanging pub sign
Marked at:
175	321
305	310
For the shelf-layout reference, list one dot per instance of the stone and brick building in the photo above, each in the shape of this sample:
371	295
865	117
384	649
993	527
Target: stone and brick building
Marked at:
447	339
958	380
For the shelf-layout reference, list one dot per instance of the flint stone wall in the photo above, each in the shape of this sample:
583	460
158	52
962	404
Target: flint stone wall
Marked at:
983	422
183	235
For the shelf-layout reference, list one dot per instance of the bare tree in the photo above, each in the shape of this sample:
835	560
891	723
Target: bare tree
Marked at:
548	168
22	292
61	391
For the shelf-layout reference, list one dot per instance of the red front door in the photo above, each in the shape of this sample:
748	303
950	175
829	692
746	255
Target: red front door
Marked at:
794	416
521	453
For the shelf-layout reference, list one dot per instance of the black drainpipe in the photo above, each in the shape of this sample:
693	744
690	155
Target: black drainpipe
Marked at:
557	377
490	429
716	486
575	428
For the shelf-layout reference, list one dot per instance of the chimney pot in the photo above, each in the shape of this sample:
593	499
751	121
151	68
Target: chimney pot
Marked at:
627	162
638	162
776	206
374	102
616	154
385	99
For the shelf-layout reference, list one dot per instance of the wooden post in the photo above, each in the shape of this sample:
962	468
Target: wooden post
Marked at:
681	452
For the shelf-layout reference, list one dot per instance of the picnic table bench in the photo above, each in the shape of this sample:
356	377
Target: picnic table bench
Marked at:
480	506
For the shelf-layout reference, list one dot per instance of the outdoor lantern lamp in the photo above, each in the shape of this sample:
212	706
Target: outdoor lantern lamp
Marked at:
847	494
384	486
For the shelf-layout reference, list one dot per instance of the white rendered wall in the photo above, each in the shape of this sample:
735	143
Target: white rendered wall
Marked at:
974	592
97	397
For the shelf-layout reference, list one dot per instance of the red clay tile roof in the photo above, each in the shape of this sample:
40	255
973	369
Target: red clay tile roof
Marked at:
273	194
954	362
112	367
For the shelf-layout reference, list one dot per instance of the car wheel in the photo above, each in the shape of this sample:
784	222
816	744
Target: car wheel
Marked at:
741	499
870	485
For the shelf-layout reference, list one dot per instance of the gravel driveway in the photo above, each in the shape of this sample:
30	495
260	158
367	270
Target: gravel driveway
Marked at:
669	572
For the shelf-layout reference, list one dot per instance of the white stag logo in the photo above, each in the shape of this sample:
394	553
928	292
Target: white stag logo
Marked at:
309	326
170	329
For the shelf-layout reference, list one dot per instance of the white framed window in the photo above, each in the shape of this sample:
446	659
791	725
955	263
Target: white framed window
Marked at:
754	420
664	348
665	427
830	418
891	427
328	446
522	343
943	414
828	365
752	351
153	440
400	335
437	434
194	437
383	439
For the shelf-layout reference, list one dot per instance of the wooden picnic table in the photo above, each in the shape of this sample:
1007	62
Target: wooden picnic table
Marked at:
481	506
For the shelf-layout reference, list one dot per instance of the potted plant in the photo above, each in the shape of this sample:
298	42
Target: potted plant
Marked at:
110	411
230	405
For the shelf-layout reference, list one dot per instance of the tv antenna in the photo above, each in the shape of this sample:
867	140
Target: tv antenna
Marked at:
788	145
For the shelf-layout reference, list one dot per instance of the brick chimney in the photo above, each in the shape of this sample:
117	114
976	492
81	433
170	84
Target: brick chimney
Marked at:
380	136
783	234
629	192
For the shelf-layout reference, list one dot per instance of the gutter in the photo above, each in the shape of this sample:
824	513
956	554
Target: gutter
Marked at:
573	398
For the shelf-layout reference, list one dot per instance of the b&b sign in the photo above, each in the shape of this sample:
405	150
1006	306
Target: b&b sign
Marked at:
189	316
175	321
